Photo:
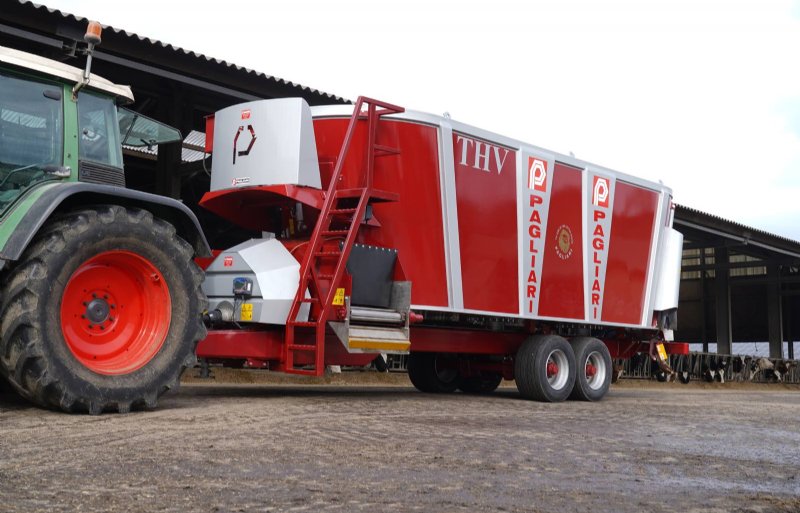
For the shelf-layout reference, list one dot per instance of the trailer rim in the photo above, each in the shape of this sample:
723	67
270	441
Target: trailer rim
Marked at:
115	312
595	370
557	369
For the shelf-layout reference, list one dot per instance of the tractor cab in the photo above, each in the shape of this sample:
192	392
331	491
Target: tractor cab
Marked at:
51	130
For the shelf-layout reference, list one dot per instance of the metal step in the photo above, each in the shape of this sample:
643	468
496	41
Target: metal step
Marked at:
375	315
378	339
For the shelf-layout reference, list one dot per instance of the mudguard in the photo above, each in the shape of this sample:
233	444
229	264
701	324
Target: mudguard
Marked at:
73	194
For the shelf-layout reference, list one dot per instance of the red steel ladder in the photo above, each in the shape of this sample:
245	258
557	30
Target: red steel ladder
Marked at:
342	213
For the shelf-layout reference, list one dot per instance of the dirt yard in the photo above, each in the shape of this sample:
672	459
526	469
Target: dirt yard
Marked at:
364	443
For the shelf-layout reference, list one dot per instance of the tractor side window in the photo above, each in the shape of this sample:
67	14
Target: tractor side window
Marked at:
31	138
98	139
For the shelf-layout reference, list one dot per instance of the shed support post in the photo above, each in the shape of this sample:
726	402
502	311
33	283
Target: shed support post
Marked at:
790	303
774	311
723	300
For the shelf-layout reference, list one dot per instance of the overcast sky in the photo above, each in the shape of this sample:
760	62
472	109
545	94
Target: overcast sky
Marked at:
703	95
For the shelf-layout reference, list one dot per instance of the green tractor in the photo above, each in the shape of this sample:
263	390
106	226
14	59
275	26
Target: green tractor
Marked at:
100	298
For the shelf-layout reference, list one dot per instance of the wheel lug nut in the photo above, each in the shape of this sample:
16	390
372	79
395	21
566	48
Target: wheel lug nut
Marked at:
85	303
83	316
94	295
105	296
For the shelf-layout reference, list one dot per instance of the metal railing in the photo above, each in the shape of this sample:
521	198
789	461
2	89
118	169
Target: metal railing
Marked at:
699	366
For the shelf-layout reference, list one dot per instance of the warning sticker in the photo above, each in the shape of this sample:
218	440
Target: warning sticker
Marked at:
247	312
662	352
338	298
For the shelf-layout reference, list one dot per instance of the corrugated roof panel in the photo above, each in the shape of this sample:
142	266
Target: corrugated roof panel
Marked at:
181	51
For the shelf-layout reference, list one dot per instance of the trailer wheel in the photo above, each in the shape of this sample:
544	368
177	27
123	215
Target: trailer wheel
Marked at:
481	384
428	374
593	369
102	312
545	368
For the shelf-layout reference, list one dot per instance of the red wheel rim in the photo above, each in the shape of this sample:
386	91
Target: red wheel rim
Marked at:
115	312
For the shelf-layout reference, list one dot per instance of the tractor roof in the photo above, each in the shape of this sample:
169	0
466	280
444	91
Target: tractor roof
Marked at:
53	68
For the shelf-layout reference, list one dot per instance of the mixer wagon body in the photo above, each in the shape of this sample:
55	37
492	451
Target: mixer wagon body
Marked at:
489	225
469	250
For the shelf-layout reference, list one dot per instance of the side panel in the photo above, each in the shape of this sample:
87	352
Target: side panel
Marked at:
562	287
413	225
485	177
634	213
563	241
536	185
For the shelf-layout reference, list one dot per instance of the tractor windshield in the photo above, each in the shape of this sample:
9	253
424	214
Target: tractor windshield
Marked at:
30	134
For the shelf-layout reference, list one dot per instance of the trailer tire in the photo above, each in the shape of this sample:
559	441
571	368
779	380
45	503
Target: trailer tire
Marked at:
544	368
593	369
481	384
427	375
102	312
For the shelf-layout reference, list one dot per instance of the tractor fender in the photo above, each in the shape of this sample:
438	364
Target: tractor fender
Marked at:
76	194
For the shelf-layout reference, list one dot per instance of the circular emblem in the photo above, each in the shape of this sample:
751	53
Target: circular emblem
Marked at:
564	242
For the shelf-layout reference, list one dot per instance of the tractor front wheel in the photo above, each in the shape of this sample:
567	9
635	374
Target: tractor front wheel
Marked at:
102	312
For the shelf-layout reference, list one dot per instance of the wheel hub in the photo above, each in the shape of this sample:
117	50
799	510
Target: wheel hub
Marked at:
98	311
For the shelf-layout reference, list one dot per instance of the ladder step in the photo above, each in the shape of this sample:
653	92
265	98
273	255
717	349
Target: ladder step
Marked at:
303	347
303	324
342	211
348	193
327	253
325	276
383	151
310	300
335	232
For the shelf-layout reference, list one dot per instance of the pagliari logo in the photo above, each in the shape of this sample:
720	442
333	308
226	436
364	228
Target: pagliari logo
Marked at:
537	174
600	192
564	241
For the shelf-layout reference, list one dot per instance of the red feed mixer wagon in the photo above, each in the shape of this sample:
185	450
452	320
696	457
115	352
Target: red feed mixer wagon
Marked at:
384	231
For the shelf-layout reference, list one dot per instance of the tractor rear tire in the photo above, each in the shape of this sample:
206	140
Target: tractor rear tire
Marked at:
593	369
102	312
544	368
428	375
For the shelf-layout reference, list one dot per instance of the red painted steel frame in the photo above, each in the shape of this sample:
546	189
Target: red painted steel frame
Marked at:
269	345
241	344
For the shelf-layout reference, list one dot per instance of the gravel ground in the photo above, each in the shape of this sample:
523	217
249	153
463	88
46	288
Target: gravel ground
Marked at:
371	443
